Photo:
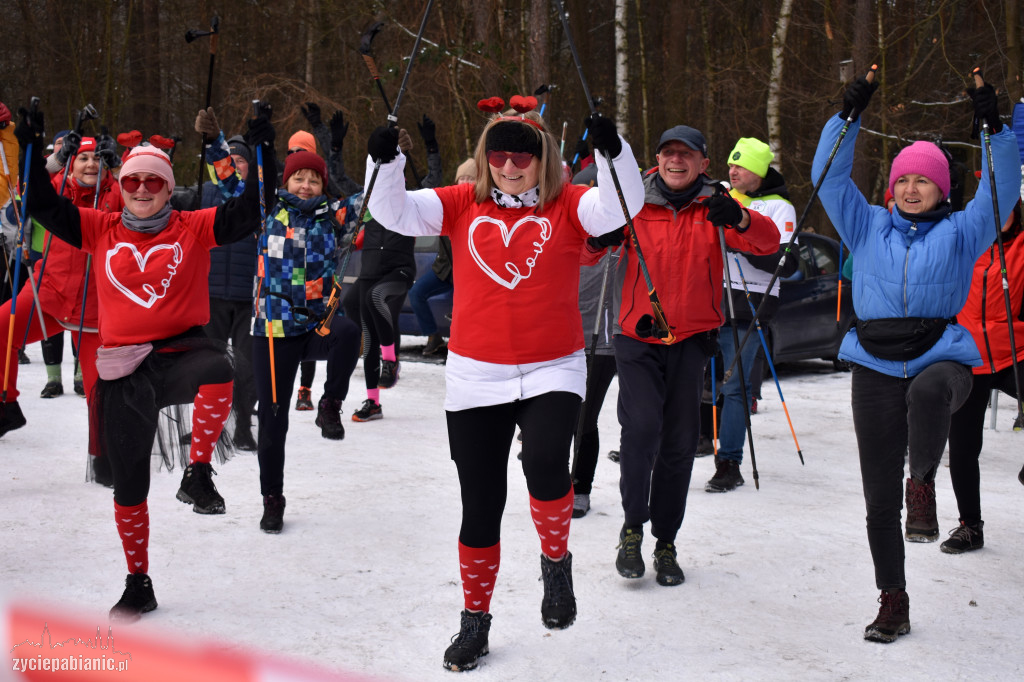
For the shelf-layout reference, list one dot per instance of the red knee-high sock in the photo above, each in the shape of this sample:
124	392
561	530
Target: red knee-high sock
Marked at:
133	527
479	568
209	412
552	519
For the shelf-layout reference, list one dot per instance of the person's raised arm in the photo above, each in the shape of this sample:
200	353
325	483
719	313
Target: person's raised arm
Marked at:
41	201
409	213
240	216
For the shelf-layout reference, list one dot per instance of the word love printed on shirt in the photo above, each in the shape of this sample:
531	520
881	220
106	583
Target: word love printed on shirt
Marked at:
147	282
511	258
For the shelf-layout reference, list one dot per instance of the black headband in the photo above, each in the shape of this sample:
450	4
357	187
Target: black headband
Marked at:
509	136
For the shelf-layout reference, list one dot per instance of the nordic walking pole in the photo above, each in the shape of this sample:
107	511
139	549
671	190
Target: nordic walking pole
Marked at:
190	35
1018	423
664	333
714	409
88	268
768	357
264	243
839	281
323	329
543	90
576	156
803	216
365	43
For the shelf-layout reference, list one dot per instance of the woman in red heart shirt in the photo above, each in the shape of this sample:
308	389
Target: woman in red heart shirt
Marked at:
516	347
151	266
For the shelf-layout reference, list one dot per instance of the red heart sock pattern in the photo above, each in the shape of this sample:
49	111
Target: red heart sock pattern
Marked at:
552	520
133	527
479	568
209	412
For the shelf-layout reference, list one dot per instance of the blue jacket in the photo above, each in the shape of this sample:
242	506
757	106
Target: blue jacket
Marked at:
905	269
232	266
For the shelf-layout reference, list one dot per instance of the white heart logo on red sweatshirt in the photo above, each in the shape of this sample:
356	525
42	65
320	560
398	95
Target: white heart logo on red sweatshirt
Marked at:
510	260
134	281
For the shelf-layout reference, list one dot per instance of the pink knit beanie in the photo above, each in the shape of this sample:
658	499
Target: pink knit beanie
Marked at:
921	158
148	159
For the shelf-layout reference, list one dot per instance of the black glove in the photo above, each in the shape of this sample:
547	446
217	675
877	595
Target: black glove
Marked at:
724	211
106	149
30	128
647	327
857	96
604	135
72	141
338	130
428	131
582	149
312	113
260	130
986	108
383	144
608	240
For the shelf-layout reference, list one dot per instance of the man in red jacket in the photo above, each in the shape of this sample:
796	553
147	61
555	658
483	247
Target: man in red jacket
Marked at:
661	375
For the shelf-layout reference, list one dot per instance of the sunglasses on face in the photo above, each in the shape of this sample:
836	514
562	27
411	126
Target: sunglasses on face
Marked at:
521	160
132	183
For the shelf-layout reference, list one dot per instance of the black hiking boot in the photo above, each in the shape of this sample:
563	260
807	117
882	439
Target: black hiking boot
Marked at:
727	477
52	389
197	489
630	562
273	514
470	644
23	357
705	447
79	387
893	617
964	538
558	608
580	505
368	412
435	342
669	573
304	400
922	524
243	439
328	418
11	417
389	370
138	598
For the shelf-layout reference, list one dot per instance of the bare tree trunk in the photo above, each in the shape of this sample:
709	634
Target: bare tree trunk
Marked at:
621	67
641	50
310	28
1014	55
775	80
538	45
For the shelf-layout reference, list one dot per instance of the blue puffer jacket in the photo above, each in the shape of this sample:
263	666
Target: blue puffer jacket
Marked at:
905	269
232	266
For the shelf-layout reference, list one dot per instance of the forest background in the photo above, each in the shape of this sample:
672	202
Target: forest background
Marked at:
772	69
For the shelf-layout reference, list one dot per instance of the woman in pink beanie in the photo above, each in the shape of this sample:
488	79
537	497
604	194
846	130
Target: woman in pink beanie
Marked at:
911	360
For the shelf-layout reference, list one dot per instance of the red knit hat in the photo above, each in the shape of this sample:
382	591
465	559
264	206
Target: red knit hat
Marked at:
921	158
299	160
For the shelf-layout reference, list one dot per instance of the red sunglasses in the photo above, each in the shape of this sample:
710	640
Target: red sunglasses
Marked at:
521	160
153	183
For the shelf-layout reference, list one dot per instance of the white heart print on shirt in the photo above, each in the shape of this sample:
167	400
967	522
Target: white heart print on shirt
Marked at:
513	260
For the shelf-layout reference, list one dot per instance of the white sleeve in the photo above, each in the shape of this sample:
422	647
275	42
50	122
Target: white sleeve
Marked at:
600	210
410	213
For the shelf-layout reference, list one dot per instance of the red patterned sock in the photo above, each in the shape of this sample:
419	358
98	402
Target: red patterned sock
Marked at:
209	412
479	568
133	527
552	519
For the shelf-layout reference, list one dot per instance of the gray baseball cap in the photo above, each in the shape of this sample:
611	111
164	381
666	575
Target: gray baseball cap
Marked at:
691	137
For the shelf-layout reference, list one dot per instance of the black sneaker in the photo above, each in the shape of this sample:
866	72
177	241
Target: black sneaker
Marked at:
273	514
11	417
470	644
580	505
138	598
727	477
328	418
893	618
243	439
368	412
435	342
304	400
630	562
558	608
665	564
964	538
197	489
389	370
52	389
922	525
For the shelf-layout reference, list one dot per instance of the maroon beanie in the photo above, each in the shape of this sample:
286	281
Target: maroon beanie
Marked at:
299	160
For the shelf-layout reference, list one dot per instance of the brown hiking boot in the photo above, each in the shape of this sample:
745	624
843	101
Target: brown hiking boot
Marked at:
893	617
922	525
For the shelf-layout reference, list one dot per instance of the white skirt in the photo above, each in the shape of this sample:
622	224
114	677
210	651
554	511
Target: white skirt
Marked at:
472	383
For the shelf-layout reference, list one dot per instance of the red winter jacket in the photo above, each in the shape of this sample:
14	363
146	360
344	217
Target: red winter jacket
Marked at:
984	314
60	292
684	257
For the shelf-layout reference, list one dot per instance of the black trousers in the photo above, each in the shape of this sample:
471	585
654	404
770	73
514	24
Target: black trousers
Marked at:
659	411
230	321
340	349
600	372
375	304
891	416
480	439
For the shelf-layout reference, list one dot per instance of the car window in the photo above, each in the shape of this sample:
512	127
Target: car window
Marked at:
817	258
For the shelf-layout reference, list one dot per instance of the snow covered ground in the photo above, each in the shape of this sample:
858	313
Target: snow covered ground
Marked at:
364	579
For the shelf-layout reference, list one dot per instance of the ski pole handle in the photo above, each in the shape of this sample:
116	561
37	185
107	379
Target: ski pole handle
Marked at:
978	80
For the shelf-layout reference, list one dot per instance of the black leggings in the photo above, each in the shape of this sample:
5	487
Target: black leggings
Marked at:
600	372
480	439
375	305
966	430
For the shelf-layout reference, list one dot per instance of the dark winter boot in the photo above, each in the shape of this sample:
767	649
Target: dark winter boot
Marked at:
964	538
197	489
243	439
273	514
580	505
389	370
470	644
922	524
558	608
893	617
328	418
11	417
52	389
727	477
101	472
138	598
669	573
435	342
630	562
23	357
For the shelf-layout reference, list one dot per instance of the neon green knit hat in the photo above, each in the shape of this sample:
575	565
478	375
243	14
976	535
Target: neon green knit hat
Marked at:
752	154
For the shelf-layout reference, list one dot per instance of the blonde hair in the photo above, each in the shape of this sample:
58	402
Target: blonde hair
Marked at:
550	179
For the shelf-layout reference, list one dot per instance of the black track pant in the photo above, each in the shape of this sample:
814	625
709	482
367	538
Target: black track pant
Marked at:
600	372
375	305
229	321
480	439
